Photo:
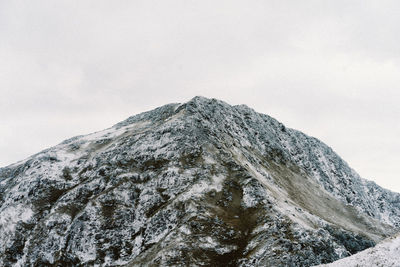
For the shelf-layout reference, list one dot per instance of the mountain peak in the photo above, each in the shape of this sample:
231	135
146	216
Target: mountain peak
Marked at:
201	99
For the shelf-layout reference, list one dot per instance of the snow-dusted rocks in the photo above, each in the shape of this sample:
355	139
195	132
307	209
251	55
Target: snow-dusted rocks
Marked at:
201	183
385	254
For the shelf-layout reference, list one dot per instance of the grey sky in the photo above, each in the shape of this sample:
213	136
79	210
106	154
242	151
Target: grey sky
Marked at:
327	68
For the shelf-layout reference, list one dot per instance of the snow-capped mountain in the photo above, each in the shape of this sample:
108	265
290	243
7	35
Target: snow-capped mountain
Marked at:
386	253
201	184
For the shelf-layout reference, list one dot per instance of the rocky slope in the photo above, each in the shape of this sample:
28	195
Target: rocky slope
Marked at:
385	254
202	184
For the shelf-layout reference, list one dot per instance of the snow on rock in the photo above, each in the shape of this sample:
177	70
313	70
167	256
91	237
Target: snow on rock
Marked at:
385	254
198	183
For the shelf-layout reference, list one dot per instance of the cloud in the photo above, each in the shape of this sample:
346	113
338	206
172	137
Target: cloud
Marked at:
329	68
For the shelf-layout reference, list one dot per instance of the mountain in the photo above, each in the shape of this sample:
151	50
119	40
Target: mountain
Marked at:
201	183
385	253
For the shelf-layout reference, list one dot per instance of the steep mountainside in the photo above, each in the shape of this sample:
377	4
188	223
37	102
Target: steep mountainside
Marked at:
385	254
203	183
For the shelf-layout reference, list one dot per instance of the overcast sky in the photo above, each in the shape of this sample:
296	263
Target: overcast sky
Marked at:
328	68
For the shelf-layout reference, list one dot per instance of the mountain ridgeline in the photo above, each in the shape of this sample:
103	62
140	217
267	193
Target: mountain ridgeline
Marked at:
196	184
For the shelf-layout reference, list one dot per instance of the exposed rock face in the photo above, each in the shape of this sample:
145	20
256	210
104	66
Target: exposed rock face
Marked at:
201	184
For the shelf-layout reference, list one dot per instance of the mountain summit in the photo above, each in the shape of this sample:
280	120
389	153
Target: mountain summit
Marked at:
201	183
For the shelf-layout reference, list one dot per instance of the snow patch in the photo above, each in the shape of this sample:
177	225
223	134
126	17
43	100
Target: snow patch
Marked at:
385	253
11	215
